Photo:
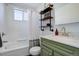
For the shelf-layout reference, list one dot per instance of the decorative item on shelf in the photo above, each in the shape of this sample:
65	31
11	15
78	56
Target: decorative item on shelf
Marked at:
52	30
50	5
46	15
48	24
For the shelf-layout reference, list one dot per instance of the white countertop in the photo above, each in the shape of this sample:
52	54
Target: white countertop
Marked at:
72	41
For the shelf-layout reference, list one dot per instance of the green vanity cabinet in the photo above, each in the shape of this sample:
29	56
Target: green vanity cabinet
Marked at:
46	51
53	48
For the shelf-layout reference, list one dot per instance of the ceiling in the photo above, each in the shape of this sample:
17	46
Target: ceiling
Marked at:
37	5
59	5
28	5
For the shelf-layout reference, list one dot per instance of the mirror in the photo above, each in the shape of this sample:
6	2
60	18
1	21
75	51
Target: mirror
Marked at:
66	13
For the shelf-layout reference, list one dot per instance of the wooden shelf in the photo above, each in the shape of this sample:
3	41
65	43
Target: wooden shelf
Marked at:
46	18
46	10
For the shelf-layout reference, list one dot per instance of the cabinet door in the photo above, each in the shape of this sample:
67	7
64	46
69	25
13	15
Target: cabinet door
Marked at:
45	51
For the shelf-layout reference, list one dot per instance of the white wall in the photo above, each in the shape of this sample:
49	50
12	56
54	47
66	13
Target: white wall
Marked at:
16	29
35	25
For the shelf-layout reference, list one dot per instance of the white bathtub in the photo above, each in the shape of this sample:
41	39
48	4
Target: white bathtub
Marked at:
15	48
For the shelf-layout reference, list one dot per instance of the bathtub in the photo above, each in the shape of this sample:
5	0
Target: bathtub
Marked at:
15	48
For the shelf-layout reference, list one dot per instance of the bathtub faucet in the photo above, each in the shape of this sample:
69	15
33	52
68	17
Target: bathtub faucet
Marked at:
0	40
4	41
3	34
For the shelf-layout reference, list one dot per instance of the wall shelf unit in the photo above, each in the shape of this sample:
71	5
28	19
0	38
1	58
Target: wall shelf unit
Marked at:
46	15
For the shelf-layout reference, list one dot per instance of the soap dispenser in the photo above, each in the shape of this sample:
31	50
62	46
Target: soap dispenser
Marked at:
56	32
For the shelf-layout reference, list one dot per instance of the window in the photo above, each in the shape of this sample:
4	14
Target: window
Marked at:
20	15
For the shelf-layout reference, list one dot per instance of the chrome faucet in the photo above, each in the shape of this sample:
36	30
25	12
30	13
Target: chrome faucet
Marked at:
1	35
63	31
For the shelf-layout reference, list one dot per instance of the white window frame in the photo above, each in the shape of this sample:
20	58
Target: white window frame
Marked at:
22	14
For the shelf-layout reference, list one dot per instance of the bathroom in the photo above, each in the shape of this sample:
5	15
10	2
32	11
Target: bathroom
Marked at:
20	26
